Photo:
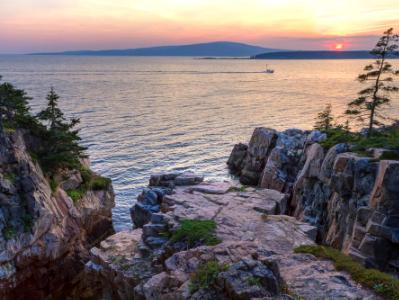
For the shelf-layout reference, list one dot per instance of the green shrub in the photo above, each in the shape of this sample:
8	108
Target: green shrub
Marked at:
8	125
12	177
337	136
196	232
206	275
9	130
77	194
92	181
53	185
99	183
382	283
27	222
9	232
388	139
86	174
254	281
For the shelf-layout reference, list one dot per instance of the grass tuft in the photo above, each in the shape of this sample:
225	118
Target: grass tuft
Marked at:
196	232
77	194
206	275
382	283
237	189
53	185
90	182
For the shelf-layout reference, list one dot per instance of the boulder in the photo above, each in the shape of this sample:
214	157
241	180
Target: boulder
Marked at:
283	163
118	266
262	142
249	278
236	159
148	203
171	180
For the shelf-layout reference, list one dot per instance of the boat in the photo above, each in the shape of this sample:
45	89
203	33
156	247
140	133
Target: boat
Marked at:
269	71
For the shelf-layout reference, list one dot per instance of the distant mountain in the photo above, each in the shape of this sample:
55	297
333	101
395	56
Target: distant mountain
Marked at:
315	55
204	49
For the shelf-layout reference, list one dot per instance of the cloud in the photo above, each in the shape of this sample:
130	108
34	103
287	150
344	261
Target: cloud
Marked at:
35	25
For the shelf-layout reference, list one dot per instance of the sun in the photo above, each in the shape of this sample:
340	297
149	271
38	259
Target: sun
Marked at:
339	47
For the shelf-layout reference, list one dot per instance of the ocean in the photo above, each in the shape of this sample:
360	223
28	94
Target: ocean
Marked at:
143	115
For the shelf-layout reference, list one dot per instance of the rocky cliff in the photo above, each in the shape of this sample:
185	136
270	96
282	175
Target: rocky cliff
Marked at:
353	200
252	256
45	234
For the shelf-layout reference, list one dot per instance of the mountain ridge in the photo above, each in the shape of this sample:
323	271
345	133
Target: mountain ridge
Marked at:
218	48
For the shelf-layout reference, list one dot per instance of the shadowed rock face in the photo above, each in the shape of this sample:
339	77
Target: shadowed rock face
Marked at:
249	161
256	251
45	236
352	200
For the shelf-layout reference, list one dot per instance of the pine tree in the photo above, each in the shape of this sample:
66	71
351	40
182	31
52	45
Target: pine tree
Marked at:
14	109
367	107
61	141
52	113
324	119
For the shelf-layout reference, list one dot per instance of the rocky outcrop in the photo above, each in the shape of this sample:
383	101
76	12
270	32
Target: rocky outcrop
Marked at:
351	199
45	235
248	161
255	250
149	202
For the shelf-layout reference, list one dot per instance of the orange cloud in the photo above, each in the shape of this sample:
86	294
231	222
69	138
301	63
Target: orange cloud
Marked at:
35	25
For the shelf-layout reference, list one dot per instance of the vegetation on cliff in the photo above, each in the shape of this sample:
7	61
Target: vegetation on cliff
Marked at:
196	232
60	140
382	283
56	141
206	275
324	119
387	138
91	181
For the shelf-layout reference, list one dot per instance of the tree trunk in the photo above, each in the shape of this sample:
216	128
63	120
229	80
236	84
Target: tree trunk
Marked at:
371	123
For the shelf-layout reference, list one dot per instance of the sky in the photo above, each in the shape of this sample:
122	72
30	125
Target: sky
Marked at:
56	25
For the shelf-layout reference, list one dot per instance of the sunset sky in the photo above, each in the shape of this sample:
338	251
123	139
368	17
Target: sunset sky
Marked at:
52	25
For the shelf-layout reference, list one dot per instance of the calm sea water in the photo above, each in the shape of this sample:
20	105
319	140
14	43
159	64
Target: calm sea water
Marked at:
145	115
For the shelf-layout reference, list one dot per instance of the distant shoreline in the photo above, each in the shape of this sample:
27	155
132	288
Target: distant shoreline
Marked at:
317	55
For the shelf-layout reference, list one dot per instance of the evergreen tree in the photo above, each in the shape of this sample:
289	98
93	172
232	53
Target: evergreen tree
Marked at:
14	109
324	119
61	141
367	107
52	114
